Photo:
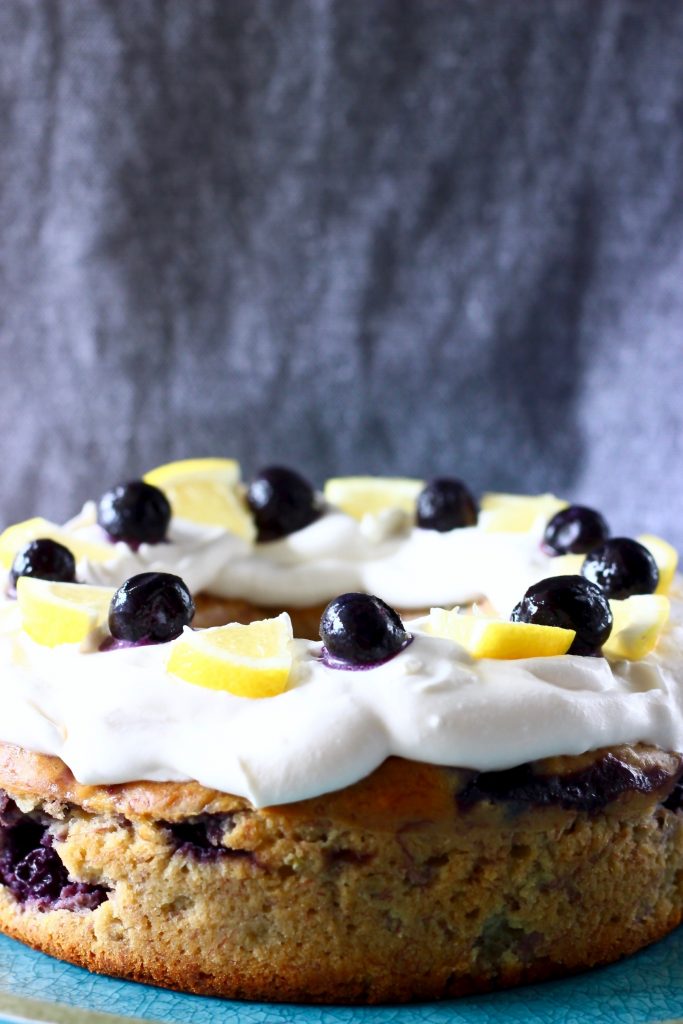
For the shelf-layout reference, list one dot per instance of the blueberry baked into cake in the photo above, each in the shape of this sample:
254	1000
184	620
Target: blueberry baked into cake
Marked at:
376	744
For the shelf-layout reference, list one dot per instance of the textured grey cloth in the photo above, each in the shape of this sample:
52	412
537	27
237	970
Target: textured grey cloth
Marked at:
400	237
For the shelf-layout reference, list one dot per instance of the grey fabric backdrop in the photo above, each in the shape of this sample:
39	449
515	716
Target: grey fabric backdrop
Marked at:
389	236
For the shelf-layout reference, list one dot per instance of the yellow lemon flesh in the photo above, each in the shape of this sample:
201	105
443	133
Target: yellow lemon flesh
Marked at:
638	624
15	537
517	513
565	565
249	661
359	496
205	491
61	613
496	638
666	558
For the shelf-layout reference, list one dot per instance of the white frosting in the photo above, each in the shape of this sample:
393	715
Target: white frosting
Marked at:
384	555
198	554
118	716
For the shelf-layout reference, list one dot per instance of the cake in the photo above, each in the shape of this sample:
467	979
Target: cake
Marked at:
415	806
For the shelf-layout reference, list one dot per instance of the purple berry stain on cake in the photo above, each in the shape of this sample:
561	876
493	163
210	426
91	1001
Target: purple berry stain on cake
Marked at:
32	869
202	837
590	789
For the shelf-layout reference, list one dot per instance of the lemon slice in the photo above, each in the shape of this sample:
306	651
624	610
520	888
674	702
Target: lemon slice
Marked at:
359	496
497	638
517	513
638	623
249	661
565	565
666	558
61	613
205	491
16	536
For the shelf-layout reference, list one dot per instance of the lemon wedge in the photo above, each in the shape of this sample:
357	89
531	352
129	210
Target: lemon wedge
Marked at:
205	491
249	661
359	496
638	623
16	536
565	565
497	638
61	613
666	558
517	513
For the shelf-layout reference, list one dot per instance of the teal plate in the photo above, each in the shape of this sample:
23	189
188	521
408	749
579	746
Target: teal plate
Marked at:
645	989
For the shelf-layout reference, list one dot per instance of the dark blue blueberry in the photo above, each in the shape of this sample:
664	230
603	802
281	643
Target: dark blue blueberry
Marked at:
358	629
445	504
46	560
281	502
152	607
621	567
574	530
136	513
570	602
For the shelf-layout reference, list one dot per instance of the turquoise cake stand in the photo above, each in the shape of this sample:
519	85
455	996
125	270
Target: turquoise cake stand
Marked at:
645	989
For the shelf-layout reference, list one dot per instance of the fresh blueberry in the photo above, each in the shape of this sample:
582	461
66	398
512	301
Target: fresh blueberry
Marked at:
152	607
570	602
574	530
621	567
136	512
46	560
445	504
359	630
281	502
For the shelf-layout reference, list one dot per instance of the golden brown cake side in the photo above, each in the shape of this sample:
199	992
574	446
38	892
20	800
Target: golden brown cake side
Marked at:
418	882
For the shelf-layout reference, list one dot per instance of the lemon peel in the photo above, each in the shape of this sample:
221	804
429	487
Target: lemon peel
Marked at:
497	638
205	491
359	496
517	513
252	660
61	613
638	624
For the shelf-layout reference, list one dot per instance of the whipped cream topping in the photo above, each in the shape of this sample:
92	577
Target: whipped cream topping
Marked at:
119	716
198	554
408	567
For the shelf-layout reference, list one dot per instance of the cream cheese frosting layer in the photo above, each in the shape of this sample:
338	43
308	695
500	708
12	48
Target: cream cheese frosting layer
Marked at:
406	566
198	554
119	716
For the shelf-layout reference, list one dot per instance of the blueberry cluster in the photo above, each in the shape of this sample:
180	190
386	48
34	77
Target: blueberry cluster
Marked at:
614	568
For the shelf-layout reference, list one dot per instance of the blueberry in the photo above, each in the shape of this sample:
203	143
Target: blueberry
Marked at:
281	502
46	560
151	607
570	602
445	504
136	512
574	530
359	629
621	567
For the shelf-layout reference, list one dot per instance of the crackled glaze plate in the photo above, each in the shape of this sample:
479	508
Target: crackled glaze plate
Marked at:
646	989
